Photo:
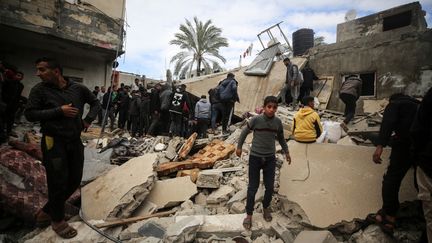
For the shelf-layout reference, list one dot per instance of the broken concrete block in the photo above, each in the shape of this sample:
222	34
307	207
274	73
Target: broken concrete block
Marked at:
132	230
209	179
316	237
346	141
120	191
220	195
183	230
239	196
171	192
371	234
283	233
152	229
338	177
201	199
238	207
171	151
238	183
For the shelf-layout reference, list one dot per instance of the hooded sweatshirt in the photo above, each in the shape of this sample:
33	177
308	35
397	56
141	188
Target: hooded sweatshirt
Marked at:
307	126
202	109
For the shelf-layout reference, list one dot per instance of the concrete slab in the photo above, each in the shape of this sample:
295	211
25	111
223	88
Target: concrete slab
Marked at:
251	89
209	179
171	192
316	237
119	192
343	179
220	195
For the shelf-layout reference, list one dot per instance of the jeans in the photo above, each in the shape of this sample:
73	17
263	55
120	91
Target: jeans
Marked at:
63	162
202	126
227	110
268	165
217	109
350	106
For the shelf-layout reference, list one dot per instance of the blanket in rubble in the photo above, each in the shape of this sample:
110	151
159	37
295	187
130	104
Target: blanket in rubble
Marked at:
24	201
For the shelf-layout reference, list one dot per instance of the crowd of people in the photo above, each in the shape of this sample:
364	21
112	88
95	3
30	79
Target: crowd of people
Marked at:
167	110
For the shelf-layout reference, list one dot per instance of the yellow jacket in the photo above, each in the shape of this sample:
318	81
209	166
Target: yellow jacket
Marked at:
307	126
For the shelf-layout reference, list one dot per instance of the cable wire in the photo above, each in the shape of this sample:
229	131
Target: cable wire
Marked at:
308	167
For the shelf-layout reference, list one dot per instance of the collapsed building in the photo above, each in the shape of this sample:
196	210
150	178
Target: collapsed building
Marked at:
161	189
86	36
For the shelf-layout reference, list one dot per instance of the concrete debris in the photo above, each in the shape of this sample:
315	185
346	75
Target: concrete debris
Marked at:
209	179
173	146
183	230
95	163
262	239
119	192
85	234
373	106
282	232
152	229
160	147
316	236
171	192
220	195
238	183
371	234
132	231
238	207
239	196
201	199
337	178
346	141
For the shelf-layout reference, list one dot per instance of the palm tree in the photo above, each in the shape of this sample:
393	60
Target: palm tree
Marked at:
200	44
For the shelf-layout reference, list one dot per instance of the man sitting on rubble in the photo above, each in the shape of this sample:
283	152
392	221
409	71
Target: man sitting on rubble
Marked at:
58	104
398	117
307	125
266	127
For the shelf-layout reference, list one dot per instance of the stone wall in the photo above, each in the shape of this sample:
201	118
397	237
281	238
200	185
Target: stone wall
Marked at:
402	62
373	24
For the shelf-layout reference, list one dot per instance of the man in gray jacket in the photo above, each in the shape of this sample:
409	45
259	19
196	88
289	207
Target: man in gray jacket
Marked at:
349	93
293	82
202	116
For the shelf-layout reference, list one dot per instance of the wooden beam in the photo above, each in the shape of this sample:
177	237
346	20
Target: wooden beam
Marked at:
133	219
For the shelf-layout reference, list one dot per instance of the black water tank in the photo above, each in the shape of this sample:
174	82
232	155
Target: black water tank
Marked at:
303	39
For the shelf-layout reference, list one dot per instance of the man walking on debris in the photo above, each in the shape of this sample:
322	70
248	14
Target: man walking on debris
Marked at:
308	77
421	133
398	117
227	90
293	82
58	104
266	127
307	125
349	93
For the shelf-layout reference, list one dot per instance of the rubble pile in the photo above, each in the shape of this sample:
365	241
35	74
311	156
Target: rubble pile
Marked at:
162	189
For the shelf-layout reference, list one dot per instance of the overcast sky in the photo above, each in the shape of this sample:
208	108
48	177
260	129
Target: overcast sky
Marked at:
152	24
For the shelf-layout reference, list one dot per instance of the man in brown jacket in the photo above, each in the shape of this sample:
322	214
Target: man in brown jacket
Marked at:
349	93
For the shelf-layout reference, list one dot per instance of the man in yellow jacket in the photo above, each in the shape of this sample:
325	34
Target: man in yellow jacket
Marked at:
307	126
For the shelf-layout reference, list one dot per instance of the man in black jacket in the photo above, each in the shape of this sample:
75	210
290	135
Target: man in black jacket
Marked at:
57	104
398	117
155	109
308	77
422	139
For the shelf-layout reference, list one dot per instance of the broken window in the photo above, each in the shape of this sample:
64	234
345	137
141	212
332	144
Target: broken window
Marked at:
368	84
397	21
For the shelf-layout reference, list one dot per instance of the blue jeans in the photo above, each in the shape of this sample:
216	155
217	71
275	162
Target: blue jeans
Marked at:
216	109
268	165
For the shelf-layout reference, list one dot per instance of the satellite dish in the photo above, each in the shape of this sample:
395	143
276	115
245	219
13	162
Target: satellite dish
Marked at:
350	15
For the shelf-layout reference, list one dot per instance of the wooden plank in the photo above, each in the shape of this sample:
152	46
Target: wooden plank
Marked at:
133	219
323	89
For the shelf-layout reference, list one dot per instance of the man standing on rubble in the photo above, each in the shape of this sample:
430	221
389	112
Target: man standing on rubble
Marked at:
228	95
293	82
266	127
349	93
58	104
421	134
398	117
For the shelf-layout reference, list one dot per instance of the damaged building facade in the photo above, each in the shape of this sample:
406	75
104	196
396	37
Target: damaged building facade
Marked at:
389	50
85	36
